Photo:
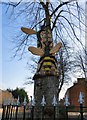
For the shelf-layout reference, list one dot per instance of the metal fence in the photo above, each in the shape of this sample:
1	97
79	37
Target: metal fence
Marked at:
17	111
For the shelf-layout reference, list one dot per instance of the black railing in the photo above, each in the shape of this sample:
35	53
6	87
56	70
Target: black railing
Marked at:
15	112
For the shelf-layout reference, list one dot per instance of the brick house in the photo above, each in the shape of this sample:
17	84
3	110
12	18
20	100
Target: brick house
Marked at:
74	91
5	95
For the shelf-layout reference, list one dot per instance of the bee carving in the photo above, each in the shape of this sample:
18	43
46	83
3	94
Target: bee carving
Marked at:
47	64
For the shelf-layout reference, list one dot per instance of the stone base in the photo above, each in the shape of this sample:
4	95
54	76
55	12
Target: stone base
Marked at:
47	86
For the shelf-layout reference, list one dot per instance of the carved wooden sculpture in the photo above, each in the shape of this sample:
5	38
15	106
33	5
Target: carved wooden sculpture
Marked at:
47	64
46	77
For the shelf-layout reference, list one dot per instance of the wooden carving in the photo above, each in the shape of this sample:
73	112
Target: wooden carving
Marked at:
47	64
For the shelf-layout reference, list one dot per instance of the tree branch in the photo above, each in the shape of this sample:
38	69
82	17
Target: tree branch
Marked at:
64	3
72	29
56	19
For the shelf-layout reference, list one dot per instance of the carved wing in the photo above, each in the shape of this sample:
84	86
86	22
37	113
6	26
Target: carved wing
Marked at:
28	31
36	51
56	48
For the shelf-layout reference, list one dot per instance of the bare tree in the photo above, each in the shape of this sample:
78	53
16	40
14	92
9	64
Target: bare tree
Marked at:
66	20
80	63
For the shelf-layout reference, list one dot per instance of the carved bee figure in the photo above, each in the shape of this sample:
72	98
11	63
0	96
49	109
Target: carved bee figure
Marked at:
47	64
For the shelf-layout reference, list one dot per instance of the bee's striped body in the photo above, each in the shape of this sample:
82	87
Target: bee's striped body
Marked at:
47	66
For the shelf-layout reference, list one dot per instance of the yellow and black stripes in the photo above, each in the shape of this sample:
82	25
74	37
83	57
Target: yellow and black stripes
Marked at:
47	64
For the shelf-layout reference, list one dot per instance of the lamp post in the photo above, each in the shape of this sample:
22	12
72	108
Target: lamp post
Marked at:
81	100
66	104
43	103
54	103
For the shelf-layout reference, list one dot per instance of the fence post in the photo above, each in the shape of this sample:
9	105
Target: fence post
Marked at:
16	112
9	106
11	109
32	110
7	112
66	104
66	112
81	111
3	113
54	112
54	104
81	100
43	104
32	113
17	105
42	112
24	108
11	112
24	112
